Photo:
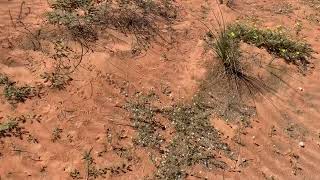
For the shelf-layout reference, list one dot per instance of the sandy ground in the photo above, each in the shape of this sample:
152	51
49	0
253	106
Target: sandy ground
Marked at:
108	76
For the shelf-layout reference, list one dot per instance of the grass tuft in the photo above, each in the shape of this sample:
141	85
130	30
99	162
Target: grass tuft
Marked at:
83	18
227	50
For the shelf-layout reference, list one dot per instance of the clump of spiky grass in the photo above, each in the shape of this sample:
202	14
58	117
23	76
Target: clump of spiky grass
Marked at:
274	42
227	50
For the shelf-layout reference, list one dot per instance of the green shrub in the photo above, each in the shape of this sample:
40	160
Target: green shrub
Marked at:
11	127
274	42
16	94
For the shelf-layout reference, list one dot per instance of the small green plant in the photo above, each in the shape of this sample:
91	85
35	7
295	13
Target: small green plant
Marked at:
275	42
11	127
56	81
63	56
75	174
16	94
4	80
32	139
92	170
56	134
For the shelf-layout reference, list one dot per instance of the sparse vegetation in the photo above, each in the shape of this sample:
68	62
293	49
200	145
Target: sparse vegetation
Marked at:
56	134
94	172
56	80
15	94
11	127
4	80
274	41
193	142
183	136
139	18
313	3
144	120
195	139
75	174
283	8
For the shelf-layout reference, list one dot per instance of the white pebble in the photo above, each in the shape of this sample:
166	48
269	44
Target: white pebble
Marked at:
301	144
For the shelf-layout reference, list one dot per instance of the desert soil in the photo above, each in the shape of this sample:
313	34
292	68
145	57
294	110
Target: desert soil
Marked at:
90	106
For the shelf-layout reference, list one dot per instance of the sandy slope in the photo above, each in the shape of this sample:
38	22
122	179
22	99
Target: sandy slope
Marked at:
89	105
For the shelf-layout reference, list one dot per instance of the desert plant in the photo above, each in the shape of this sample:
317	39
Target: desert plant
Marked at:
11	127
194	139
75	174
274	42
137	18
56	134
144	120
56	80
15	94
4	80
227	51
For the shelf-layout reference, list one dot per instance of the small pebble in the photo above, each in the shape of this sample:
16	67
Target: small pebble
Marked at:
300	89
301	144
